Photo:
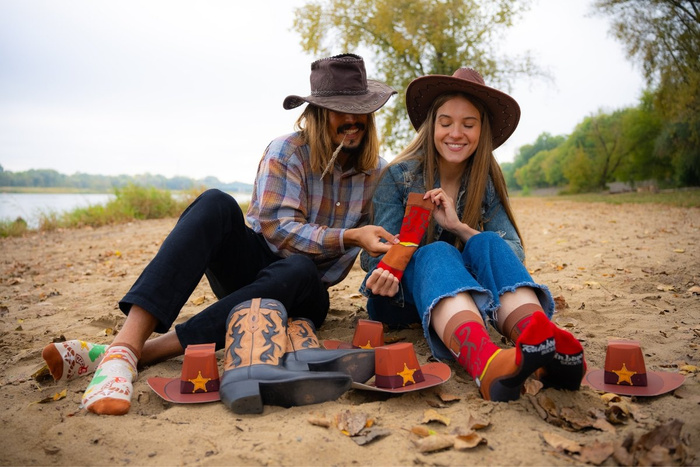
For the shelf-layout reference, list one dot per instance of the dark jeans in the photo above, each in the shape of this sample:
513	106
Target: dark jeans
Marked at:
211	238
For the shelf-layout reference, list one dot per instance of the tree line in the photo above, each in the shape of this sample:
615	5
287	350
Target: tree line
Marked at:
658	139
48	178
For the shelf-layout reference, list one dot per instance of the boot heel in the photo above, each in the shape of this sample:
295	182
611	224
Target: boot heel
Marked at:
242	397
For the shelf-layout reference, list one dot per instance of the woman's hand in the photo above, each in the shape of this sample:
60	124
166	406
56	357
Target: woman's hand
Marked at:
446	215
382	282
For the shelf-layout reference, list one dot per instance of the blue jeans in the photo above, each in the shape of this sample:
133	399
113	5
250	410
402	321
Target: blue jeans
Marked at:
212	239
486	269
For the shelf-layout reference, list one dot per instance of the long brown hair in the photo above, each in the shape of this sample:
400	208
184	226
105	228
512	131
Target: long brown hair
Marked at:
313	124
479	166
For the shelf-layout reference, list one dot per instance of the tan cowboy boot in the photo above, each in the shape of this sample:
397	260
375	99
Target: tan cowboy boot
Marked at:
256	341
305	353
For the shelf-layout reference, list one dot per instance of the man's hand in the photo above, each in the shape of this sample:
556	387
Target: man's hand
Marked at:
369	238
382	282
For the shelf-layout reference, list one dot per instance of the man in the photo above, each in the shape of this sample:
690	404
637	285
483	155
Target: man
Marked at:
308	222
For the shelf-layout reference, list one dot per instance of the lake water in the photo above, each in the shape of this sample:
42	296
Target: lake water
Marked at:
29	206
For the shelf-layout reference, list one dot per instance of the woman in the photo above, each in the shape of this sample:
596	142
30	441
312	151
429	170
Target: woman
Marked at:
468	269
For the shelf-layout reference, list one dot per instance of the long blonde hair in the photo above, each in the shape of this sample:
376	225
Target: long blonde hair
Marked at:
313	124
479	166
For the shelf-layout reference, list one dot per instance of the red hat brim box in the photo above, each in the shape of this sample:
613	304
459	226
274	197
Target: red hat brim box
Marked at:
198	382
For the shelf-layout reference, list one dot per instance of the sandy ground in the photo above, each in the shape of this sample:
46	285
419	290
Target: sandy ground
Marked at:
630	271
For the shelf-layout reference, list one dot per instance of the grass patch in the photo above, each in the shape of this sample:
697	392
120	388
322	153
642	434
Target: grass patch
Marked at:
684	198
130	203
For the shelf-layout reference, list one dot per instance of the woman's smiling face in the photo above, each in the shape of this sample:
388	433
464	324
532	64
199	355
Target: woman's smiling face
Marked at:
457	130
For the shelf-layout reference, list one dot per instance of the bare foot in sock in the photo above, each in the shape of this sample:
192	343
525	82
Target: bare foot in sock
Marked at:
109	392
70	359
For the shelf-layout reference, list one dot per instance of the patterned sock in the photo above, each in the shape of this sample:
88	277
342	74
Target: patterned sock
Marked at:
568	367
109	392
70	359
415	222
499	373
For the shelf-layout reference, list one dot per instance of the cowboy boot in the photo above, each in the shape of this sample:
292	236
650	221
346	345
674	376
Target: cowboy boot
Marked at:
305	353
256	340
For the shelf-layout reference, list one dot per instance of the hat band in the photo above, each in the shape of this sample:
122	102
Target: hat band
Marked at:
639	379
187	387
337	93
398	381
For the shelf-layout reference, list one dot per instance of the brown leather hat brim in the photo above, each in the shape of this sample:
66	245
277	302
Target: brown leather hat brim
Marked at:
169	389
657	383
435	373
360	104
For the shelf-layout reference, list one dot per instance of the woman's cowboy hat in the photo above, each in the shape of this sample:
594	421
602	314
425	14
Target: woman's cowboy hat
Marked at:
340	83
626	374
503	109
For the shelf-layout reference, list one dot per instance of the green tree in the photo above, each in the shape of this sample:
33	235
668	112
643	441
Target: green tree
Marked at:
544	142
664	37
411	38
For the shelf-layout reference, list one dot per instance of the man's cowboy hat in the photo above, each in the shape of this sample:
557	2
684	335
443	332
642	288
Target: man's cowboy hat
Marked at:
626	374
340	83
198	382
503	110
397	371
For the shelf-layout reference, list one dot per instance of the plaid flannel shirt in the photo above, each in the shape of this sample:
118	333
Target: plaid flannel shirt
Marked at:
298	213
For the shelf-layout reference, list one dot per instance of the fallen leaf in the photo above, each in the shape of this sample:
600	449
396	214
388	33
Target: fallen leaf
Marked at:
611	397
422	431
665	288
469	441
199	300
447	397
532	386
476	423
694	290
561	443
560	303
431	415
689	369
370	435
597	452
55	397
434	443
351	423
319	421
678	250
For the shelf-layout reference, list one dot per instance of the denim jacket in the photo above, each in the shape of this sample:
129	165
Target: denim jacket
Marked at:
389	205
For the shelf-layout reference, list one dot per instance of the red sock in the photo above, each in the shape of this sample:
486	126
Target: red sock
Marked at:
415	223
499	373
568	367
475	347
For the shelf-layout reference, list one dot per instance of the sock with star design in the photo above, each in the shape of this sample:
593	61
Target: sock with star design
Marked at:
70	359
109	392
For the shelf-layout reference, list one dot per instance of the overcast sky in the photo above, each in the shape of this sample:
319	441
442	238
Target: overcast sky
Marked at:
191	88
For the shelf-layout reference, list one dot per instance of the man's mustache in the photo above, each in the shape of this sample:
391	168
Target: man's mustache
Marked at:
349	126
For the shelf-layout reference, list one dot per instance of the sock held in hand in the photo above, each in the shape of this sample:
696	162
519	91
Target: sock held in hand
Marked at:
415	223
109	392
568	367
70	359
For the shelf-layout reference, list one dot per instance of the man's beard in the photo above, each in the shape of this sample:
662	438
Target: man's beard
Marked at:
342	129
